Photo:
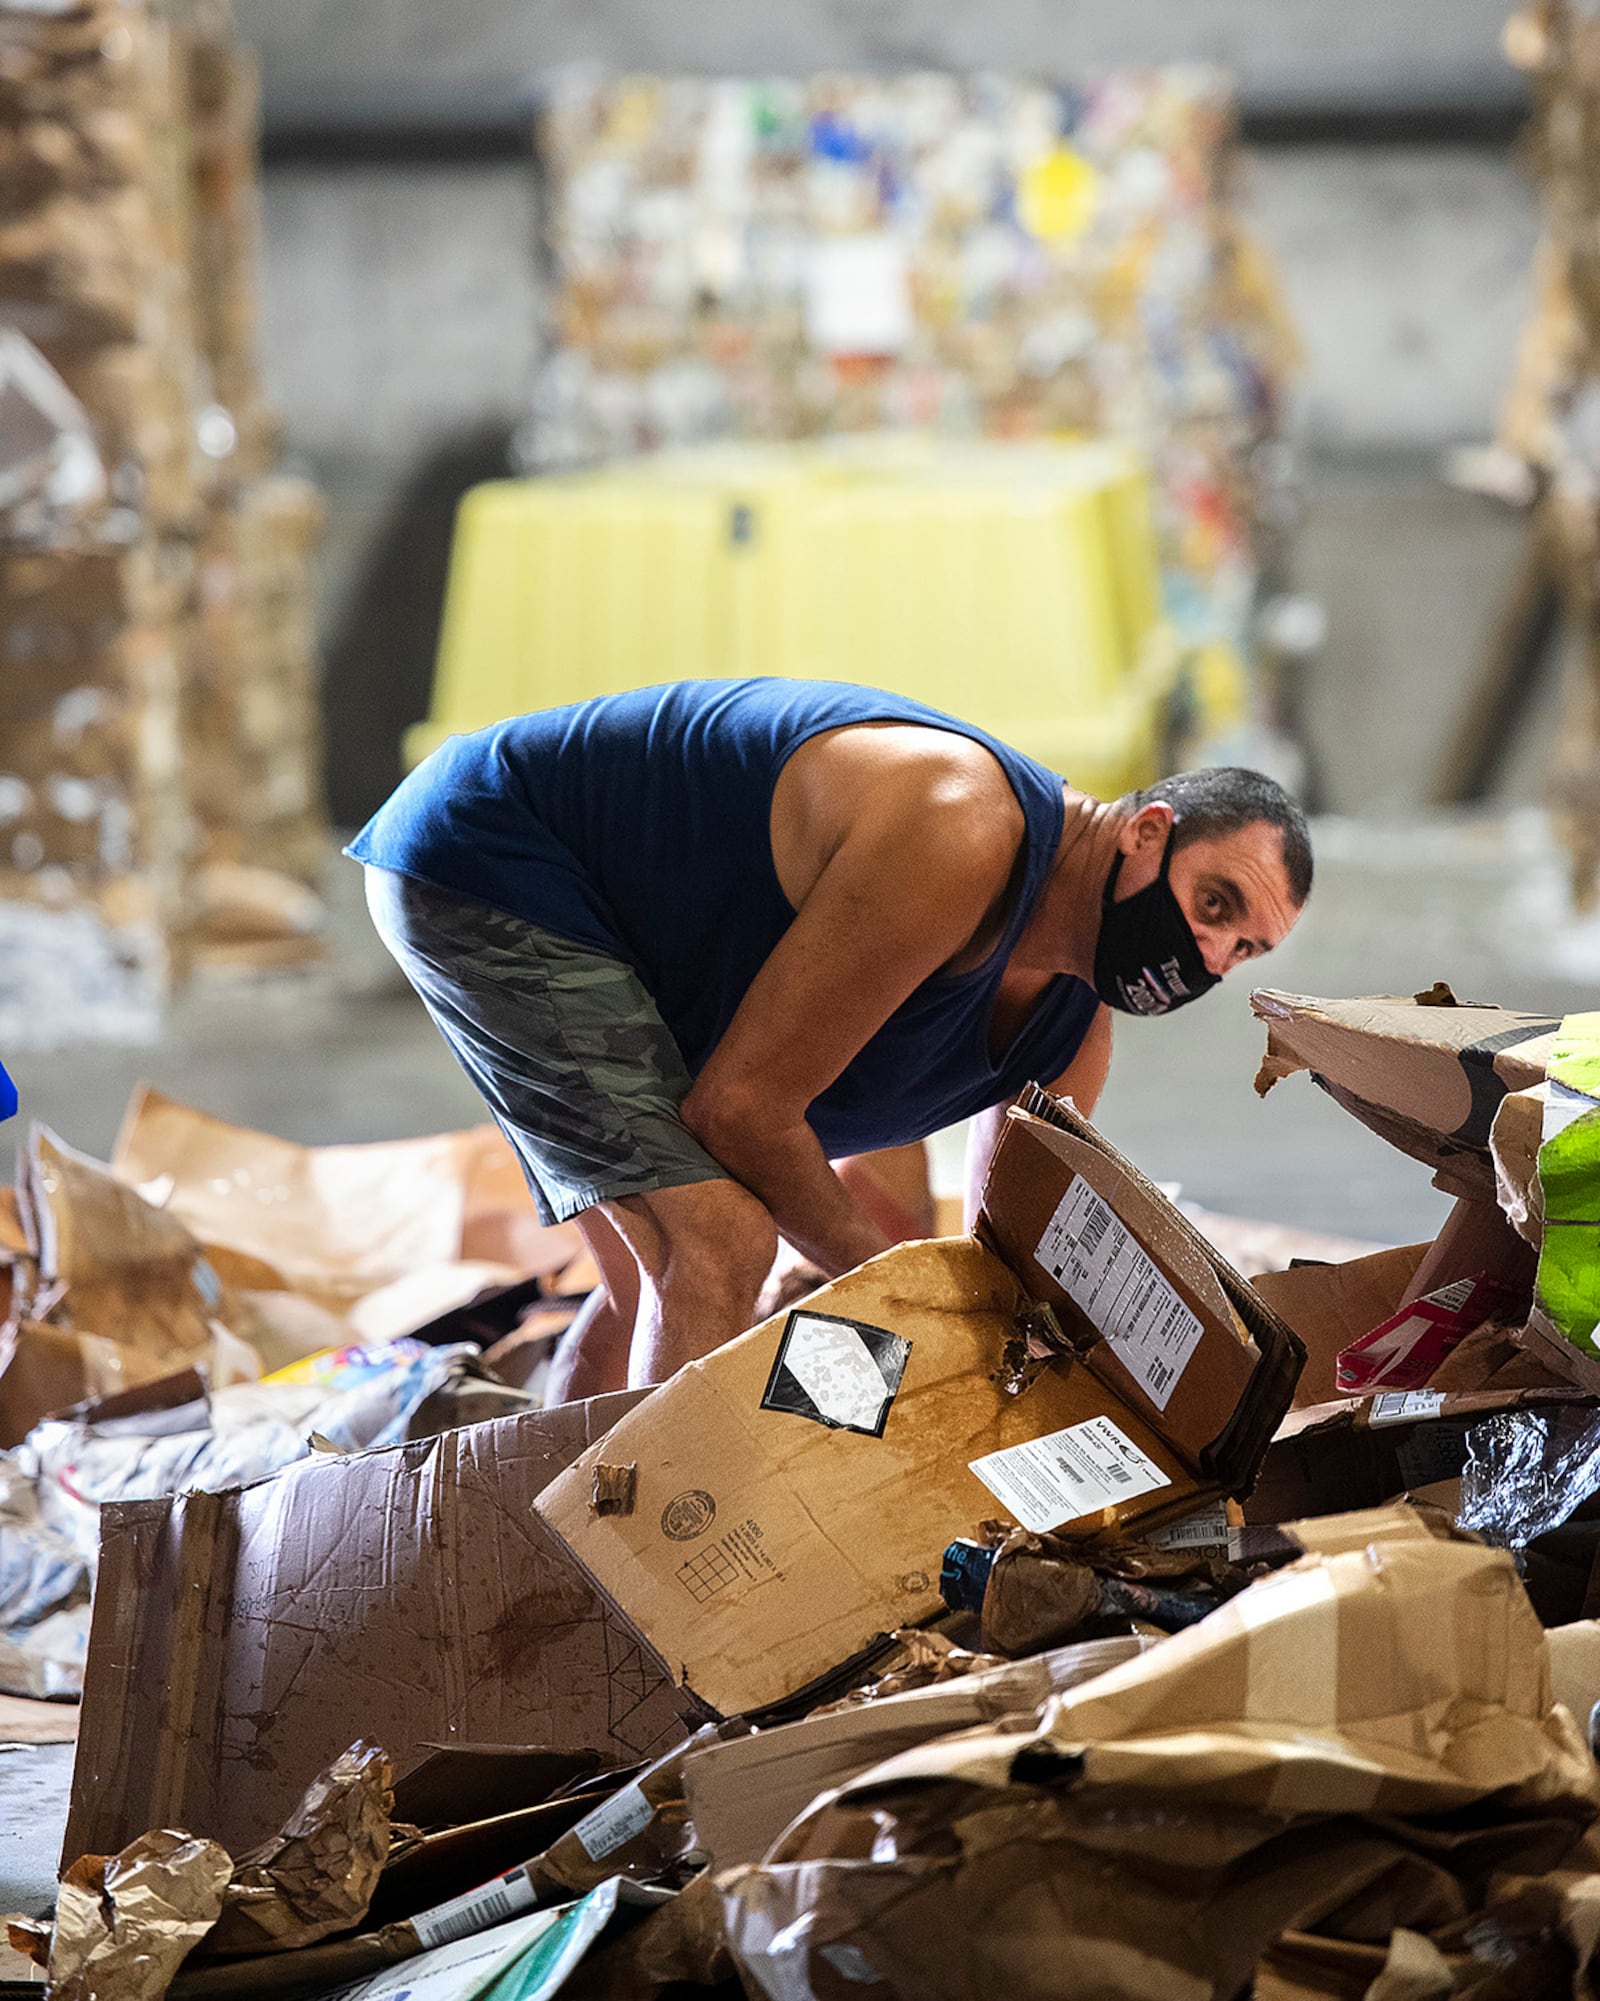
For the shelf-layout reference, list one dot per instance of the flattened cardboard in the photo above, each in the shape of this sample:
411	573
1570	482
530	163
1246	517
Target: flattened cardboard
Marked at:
1329	1306
743	1793
1359	1452
1427	1078
409	1595
764	1548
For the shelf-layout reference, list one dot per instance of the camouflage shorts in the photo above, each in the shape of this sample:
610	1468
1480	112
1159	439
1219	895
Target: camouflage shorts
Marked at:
563	1043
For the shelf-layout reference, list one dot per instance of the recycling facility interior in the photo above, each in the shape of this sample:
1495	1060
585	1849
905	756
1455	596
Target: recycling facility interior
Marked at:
411	287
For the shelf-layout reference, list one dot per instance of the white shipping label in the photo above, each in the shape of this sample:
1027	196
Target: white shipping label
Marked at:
622	1816
1404	1407
1104	1270
475	1911
1052	1480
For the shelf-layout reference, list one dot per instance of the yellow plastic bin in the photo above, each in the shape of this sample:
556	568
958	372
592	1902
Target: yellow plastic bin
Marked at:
1016	587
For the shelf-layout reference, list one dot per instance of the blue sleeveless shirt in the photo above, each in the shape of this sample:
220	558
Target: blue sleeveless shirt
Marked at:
640	824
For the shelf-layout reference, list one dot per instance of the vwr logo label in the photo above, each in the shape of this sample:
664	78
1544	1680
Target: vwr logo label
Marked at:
8	1096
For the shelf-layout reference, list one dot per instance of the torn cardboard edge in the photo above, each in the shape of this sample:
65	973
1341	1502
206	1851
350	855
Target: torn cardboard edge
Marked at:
1427	1074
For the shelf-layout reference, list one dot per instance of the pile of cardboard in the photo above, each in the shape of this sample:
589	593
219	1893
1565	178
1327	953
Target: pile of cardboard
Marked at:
784	258
192	1314
157	667
1047	1597
1548	421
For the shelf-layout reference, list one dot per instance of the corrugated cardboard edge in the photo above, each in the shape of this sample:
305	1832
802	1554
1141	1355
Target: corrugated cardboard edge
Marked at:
1354	1413
165	1577
1234	1455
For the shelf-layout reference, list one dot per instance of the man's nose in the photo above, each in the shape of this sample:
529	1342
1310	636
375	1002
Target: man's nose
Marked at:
1218	953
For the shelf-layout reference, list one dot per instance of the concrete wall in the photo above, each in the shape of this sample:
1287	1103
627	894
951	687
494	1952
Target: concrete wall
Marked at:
325	51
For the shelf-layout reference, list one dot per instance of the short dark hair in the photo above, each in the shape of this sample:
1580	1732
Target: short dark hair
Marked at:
1225	799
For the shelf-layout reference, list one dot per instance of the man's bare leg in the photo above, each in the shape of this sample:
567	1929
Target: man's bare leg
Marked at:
592	1357
702	1253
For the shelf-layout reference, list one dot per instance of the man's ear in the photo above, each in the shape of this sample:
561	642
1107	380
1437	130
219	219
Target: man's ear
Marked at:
1147	830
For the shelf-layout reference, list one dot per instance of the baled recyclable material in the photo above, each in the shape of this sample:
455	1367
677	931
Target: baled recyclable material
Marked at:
796	1489
782	257
409	1595
180	729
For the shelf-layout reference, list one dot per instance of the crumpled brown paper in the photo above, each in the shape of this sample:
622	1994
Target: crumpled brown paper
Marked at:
113	1265
125	1923
317	1875
1363	1743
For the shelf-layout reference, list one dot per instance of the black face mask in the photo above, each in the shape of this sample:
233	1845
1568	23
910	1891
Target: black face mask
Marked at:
1146	960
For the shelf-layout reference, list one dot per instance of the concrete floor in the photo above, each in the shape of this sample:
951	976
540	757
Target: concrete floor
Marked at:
34	1782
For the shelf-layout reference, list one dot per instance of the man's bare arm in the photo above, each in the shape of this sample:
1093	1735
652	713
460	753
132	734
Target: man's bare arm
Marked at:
905	890
1082	1081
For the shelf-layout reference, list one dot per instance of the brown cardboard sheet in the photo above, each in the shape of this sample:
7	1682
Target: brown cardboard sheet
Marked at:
1426	1074
339	1222
770	1541
1329	1306
410	1596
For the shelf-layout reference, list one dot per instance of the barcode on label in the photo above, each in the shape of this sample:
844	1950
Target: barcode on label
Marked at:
1095	1225
612	1825
1107	1273
490	1904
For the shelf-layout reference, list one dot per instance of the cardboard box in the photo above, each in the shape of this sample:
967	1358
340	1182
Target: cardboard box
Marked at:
1426	1074
1358	1452
408	1596
742	1794
795	1490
